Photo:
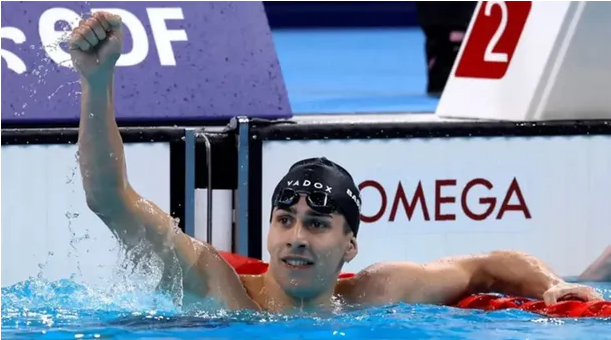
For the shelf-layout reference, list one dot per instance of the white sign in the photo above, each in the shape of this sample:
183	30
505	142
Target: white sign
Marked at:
532	60
428	198
48	230
222	218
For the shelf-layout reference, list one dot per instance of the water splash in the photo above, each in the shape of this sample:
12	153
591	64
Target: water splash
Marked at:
65	310
71	215
132	288
42	266
61	87
44	69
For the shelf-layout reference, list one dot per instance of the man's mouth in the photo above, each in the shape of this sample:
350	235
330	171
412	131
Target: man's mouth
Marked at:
297	263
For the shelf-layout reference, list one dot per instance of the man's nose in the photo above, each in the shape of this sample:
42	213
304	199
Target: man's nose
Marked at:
298	239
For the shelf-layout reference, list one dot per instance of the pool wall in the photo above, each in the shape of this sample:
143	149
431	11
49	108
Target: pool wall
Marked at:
431	188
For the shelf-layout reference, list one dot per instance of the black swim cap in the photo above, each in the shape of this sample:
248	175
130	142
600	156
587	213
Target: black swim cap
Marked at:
327	179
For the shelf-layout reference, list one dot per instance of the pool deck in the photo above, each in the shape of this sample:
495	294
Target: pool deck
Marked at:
354	71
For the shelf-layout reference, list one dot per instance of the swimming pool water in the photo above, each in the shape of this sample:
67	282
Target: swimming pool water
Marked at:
36	309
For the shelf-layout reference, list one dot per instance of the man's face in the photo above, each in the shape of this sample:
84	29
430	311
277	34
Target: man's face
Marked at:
307	249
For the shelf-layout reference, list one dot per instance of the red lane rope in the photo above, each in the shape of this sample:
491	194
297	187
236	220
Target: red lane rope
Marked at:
563	309
489	302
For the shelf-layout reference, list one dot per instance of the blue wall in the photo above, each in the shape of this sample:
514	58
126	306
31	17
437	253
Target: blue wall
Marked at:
301	14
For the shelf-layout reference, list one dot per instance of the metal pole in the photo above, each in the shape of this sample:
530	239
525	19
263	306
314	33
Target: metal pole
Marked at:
243	172
209	186
190	182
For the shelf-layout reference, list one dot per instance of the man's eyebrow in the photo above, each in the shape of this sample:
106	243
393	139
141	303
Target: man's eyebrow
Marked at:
309	213
313	213
288	209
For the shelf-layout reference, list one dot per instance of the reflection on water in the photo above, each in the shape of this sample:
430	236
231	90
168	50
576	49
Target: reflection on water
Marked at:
38	309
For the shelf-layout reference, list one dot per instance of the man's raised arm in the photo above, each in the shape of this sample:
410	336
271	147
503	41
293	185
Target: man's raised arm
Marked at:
95	47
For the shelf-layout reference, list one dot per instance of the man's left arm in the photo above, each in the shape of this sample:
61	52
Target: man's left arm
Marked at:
448	280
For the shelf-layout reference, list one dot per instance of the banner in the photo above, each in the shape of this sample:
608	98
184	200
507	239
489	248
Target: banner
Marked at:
181	61
427	198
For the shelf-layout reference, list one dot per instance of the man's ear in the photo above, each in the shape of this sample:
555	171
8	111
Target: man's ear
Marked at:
352	250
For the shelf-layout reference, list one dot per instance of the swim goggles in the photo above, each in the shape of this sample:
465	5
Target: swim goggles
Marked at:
319	201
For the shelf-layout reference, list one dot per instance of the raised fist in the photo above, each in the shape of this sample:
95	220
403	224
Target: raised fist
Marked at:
96	45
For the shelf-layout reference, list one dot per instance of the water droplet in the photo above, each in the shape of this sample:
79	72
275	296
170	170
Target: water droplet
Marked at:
71	215
175	226
112	154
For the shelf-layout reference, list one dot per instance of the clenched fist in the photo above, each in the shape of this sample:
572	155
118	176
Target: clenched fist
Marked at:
96	45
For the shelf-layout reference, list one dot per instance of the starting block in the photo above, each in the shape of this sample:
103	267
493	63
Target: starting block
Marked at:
532	61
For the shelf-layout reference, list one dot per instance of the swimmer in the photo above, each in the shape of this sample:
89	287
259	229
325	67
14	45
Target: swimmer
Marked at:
600	269
313	230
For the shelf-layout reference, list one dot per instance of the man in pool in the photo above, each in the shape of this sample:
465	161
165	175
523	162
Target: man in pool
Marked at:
314	223
600	269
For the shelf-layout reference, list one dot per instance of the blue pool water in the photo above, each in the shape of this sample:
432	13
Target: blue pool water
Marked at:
36	309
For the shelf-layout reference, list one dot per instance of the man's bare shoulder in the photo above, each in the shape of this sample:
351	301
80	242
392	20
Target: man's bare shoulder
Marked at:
387	270
254	284
382	282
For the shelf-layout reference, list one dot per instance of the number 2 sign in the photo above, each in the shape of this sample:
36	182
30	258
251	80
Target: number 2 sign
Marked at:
493	39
